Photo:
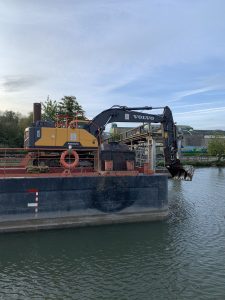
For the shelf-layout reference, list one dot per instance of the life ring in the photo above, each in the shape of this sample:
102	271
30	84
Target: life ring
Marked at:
69	165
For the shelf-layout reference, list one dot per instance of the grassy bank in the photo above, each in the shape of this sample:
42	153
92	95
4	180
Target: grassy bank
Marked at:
197	163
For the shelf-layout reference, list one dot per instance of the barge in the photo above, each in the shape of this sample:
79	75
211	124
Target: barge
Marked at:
38	197
66	177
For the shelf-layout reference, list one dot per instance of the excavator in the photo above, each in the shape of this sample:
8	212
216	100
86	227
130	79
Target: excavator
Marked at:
86	137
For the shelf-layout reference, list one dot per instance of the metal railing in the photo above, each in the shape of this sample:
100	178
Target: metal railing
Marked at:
135	133
36	160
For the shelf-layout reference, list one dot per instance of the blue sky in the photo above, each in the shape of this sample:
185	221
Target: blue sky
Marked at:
106	52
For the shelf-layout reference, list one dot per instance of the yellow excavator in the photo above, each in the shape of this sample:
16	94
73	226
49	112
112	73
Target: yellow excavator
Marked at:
85	137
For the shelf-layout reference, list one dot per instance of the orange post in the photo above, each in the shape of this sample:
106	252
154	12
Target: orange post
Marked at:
147	169
130	165
108	165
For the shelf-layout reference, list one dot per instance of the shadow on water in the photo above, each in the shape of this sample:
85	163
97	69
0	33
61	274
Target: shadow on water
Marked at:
180	258
179	208
110	262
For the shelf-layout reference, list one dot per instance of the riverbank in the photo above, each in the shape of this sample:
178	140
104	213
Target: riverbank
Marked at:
204	163
199	161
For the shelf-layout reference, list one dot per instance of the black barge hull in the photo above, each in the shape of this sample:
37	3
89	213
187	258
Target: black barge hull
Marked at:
58	202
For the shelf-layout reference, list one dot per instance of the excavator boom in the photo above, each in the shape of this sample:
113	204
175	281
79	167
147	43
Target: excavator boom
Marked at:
129	114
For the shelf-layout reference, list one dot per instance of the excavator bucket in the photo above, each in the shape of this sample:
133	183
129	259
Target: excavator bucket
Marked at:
180	172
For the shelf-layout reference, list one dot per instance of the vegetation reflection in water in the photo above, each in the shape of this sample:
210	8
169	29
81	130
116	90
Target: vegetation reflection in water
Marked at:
181	258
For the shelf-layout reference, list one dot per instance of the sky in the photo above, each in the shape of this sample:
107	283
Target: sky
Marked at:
116	52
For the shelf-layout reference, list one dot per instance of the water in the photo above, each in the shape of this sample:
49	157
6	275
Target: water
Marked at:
181	258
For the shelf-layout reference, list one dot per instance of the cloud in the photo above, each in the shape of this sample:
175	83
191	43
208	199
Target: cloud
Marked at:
203	111
198	104
212	118
106	52
19	83
180	95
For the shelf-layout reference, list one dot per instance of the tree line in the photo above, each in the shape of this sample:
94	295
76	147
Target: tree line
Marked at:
13	124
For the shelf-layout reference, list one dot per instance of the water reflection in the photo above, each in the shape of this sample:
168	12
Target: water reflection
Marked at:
177	259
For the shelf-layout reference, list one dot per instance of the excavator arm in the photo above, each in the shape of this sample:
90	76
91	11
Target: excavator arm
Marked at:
121	114
132	114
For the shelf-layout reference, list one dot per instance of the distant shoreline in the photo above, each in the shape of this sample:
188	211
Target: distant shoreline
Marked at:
199	163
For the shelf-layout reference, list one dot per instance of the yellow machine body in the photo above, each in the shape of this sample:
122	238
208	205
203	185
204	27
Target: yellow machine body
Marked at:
60	137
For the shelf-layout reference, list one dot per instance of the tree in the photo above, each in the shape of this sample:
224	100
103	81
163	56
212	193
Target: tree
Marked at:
12	126
70	107
114	137
9	127
49	110
216	147
24	122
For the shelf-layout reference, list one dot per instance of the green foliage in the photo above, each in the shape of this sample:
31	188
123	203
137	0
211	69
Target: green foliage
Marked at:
70	107
199	163
12	127
197	154
114	137
216	147
49	109
25	122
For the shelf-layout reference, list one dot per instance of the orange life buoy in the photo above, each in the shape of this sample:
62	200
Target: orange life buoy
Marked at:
69	165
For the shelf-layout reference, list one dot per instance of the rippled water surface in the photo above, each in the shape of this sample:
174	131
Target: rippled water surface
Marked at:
181	258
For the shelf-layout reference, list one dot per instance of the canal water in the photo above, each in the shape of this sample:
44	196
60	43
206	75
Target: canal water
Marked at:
181	258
